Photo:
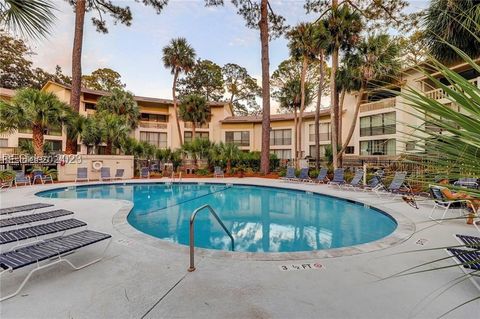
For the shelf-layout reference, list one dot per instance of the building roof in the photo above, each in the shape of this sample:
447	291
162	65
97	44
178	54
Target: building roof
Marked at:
273	117
136	97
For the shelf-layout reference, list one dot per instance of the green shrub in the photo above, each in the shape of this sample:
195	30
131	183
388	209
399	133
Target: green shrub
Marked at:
202	172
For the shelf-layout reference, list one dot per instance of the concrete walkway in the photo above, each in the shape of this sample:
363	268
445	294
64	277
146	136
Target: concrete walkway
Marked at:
141	277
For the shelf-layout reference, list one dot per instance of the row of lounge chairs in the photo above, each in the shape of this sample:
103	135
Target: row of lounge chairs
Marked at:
41	239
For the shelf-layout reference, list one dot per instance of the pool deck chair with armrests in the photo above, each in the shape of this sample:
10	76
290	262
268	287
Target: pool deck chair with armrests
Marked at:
144	172
468	182
43	178
33	218
303	177
218	172
52	251
119	173
322	176
374	184
82	174
469	262
20	178
105	174
356	181
441	201
396	187
469	241
338	177
290	174
23	208
18	234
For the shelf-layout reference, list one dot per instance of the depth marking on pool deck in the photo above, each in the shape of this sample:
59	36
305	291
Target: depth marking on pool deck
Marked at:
305	266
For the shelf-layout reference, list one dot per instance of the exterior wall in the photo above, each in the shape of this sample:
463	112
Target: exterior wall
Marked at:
68	172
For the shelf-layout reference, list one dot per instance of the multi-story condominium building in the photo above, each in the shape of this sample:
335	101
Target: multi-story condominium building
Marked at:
383	127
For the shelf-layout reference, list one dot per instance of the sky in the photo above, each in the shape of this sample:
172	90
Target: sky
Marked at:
217	34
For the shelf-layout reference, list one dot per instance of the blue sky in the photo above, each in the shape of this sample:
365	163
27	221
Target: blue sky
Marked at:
217	34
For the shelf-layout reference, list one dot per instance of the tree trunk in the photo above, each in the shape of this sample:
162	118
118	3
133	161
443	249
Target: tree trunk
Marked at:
37	140
231	105
174	89
295	123
334	96
354	122
317	114
302	106
108	148
71	146
340	125
229	166
265	156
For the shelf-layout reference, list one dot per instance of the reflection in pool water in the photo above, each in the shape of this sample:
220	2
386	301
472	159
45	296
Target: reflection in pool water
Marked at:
261	219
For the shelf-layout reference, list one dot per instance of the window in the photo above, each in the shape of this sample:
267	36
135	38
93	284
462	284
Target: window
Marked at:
350	150
3	142
314	154
157	139
187	136
378	124
324	132
240	138
56	146
378	147
281	137
90	106
282	154
154	117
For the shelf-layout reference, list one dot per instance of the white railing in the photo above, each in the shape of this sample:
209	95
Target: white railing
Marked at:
146	124
378	105
439	94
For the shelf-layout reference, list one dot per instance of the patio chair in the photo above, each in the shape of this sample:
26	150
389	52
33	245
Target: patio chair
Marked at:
290	174
33	218
468	261
6	184
23	208
396	187
82	174
303	176
338	177
105	174
144	172
469	241
441	201
322	176
356	181
119	173
22	179
467	182
218	172
52	251
43	178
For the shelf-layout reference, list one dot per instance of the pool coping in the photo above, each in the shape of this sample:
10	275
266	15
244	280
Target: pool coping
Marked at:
404	230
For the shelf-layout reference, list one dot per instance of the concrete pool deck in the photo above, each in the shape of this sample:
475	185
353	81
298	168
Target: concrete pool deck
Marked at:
144	277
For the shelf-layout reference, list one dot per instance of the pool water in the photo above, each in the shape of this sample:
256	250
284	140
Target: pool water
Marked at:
261	219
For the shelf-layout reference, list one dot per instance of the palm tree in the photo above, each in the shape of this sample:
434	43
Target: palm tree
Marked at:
114	130
92	133
375	58
32	18
35	110
74	124
344	27
178	56
194	108
228	152
450	23
122	103
302	47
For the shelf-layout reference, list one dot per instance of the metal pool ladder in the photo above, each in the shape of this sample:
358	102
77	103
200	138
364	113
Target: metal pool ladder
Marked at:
192	233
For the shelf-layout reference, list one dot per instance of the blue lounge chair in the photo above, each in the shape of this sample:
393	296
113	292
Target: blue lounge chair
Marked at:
303	176
218	172
144	172
20	178
441	201
374	183
469	241
468	261
105	174
467	182
338	177
82	174
356	181
33	218
322	176
43	178
290	175
23	208
119	173
398	186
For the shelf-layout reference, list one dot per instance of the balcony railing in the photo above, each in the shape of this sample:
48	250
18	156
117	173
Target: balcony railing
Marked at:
378	105
189	125
438	94
157	125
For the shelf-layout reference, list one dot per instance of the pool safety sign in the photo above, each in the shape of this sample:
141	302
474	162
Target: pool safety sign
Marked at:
306	266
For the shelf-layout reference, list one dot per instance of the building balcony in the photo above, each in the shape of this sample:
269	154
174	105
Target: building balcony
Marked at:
378	105
438	94
156	125
189	125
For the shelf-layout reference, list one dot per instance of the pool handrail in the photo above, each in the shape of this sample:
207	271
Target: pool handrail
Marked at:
192	233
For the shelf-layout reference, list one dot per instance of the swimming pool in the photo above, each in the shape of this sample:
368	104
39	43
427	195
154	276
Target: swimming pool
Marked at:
261	219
